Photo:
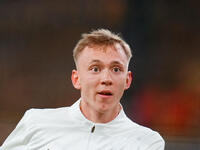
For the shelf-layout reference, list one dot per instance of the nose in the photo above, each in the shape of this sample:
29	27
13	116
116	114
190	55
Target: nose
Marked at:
106	78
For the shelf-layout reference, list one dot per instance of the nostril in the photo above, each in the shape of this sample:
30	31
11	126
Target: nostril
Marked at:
107	83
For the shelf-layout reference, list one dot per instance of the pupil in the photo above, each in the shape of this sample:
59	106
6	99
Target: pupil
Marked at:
115	69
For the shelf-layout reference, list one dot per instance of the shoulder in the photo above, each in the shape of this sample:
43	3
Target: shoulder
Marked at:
35	116
145	137
45	111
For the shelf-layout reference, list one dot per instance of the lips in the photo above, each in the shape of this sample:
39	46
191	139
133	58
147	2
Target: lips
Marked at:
105	93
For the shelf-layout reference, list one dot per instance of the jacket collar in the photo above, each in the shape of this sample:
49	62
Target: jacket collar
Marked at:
78	116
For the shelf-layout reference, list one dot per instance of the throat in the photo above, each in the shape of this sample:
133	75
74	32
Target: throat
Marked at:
98	116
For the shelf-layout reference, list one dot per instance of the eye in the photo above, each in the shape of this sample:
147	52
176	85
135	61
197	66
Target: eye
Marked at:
116	69
95	69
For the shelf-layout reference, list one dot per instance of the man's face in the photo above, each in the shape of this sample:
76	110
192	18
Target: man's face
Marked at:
102	76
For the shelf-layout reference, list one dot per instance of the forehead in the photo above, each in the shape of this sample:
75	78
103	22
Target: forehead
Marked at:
106	54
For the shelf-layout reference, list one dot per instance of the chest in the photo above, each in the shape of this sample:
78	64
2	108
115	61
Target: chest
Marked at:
76	137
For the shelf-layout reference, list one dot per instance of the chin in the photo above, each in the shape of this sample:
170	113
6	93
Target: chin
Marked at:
103	108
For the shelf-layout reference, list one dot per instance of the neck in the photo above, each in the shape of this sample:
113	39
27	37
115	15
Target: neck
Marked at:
99	117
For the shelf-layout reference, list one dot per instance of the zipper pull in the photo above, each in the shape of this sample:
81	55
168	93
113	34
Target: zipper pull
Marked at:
93	128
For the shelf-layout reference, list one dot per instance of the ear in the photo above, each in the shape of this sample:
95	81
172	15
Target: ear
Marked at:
75	80
128	80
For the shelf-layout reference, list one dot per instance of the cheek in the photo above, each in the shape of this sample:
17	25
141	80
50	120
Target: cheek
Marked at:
120	85
88	82
121	82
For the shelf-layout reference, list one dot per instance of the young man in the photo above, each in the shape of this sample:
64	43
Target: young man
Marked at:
97	120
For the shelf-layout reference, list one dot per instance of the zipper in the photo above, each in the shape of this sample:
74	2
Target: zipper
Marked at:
93	128
90	136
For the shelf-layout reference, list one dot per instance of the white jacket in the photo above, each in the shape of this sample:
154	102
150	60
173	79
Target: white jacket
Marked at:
67	129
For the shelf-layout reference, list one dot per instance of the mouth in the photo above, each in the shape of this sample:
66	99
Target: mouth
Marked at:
105	93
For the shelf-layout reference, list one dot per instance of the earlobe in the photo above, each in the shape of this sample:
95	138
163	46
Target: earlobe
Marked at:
75	79
128	80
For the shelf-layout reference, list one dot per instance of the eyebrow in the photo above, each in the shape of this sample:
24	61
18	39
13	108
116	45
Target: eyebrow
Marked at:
113	62
95	61
116	62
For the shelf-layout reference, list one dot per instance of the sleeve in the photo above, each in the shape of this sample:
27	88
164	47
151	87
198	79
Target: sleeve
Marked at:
153	142
18	139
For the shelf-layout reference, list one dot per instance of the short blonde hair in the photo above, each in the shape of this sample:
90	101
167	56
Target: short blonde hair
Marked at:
100	37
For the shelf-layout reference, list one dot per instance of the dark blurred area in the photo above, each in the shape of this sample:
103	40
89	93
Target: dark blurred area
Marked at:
36	43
